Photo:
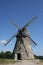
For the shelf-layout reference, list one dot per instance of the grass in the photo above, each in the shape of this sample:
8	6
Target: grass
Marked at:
7	61
41	61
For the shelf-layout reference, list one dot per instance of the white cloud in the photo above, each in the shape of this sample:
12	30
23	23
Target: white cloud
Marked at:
3	41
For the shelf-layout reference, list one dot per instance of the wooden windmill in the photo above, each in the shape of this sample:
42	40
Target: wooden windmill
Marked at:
22	49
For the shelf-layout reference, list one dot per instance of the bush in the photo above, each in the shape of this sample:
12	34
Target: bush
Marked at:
38	57
7	55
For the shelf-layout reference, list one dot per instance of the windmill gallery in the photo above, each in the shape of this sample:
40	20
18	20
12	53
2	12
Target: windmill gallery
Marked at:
22	49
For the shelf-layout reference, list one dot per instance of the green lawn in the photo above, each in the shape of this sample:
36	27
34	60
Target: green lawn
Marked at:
7	61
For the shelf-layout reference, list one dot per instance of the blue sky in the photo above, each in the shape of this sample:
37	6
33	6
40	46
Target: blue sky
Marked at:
21	11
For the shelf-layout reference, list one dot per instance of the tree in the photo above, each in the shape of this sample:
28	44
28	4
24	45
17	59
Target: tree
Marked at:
8	54
2	54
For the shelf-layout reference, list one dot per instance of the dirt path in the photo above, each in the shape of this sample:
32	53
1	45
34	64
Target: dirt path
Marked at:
25	62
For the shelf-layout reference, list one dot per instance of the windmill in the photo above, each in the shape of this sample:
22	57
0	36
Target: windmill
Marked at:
22	49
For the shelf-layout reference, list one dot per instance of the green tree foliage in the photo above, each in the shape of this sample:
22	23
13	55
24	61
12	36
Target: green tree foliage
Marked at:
38	57
7	55
2	54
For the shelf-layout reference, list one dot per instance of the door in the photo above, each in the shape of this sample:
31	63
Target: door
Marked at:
19	56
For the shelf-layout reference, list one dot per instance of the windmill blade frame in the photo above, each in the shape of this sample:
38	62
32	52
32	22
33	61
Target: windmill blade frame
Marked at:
29	38
10	39
32	40
31	43
33	18
12	22
25	49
